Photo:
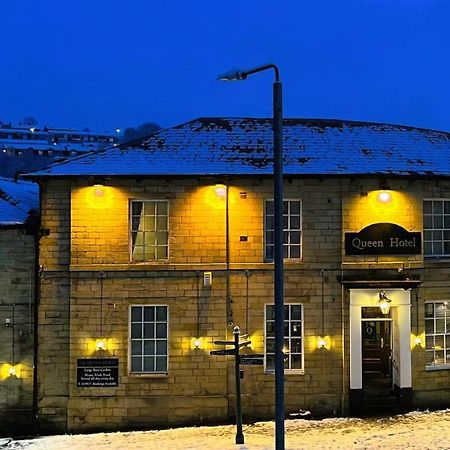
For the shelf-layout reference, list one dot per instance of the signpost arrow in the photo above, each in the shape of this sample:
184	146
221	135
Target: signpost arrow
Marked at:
246	361
229	351
224	342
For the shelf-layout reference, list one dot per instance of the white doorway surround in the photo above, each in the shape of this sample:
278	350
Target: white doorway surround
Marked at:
401	320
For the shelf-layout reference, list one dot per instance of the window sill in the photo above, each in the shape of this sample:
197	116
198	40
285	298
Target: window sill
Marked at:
437	367
287	372
148	375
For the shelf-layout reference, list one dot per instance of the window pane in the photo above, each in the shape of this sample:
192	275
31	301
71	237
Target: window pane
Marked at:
437	207
429	326
269	207
161	364
161	347
296	362
136	331
149	347
149	363
161	252
295	207
295	251
162	208
149	330
295	237
136	364
149	313
149	208
136	347
295	222
136	313
161	313
270	312
136	208
161	330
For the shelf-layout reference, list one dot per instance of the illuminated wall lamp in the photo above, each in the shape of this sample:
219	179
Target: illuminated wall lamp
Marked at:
197	343
220	190
321	342
100	344
384	197
12	371
384	302
417	341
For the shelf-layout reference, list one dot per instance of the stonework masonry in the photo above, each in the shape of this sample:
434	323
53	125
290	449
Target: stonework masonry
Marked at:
17	265
88	284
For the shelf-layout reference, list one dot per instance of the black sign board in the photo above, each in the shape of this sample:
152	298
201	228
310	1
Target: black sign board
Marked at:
98	372
252	360
229	351
383	239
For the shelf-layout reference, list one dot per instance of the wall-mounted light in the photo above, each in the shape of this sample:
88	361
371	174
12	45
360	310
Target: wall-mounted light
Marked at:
384	302
384	197
100	344
417	341
220	190
12	371
197	343
98	190
321	342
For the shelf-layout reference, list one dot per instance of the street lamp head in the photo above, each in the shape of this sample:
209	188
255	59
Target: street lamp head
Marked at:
232	75
237	75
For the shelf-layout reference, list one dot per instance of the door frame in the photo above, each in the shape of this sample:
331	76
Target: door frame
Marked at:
401	323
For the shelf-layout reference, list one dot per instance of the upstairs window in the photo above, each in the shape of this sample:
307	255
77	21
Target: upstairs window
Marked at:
149	230
293	338
292	229
437	333
436	228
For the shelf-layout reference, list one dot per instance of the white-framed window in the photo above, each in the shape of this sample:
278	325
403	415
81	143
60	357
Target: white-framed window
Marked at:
149	230
437	333
293	337
292	229
436	227
148	339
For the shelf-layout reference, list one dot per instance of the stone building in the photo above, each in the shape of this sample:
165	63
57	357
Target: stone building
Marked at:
19	205
151	252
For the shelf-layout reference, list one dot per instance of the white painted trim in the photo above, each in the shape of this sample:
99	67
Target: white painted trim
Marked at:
401	300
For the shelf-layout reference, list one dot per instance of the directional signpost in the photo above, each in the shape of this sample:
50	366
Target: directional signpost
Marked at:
238	360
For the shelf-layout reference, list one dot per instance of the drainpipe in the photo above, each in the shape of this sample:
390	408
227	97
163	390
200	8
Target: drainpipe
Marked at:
37	290
229	301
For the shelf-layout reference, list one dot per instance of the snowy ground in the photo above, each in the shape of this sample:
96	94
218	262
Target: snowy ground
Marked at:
412	431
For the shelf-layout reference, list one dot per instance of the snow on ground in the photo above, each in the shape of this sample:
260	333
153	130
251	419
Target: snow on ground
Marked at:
412	431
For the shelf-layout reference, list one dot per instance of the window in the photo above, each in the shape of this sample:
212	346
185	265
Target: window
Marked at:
436	227
291	229
293	337
437	333
149	230
148	339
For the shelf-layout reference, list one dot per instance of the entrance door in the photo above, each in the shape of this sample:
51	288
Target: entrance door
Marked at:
376	348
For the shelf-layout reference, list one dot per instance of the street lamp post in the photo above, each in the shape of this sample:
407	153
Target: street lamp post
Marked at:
235	75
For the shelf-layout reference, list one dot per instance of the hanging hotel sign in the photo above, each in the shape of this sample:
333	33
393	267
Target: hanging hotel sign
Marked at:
98	372
383	239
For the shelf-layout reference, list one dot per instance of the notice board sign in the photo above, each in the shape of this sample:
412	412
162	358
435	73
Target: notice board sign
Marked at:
98	372
383	239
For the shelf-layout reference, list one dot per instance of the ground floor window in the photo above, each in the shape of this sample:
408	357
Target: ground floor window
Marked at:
437	333
148	339
293	337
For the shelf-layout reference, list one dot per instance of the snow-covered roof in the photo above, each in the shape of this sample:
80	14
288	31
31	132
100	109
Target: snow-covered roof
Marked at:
243	146
17	199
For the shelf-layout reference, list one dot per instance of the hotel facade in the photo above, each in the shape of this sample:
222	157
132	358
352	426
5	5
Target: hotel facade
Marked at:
149	254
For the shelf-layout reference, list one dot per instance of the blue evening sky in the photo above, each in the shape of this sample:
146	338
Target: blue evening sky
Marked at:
112	63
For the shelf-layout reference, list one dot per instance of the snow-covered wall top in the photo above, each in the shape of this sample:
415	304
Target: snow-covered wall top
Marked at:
243	146
17	199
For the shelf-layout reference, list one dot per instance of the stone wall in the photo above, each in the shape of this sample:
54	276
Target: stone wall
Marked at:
17	264
88	285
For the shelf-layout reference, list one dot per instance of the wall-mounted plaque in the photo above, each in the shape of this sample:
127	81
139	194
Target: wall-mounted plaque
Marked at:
98	372
383	239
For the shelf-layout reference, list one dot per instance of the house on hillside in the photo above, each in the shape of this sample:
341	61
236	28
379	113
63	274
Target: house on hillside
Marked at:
154	251
19	206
